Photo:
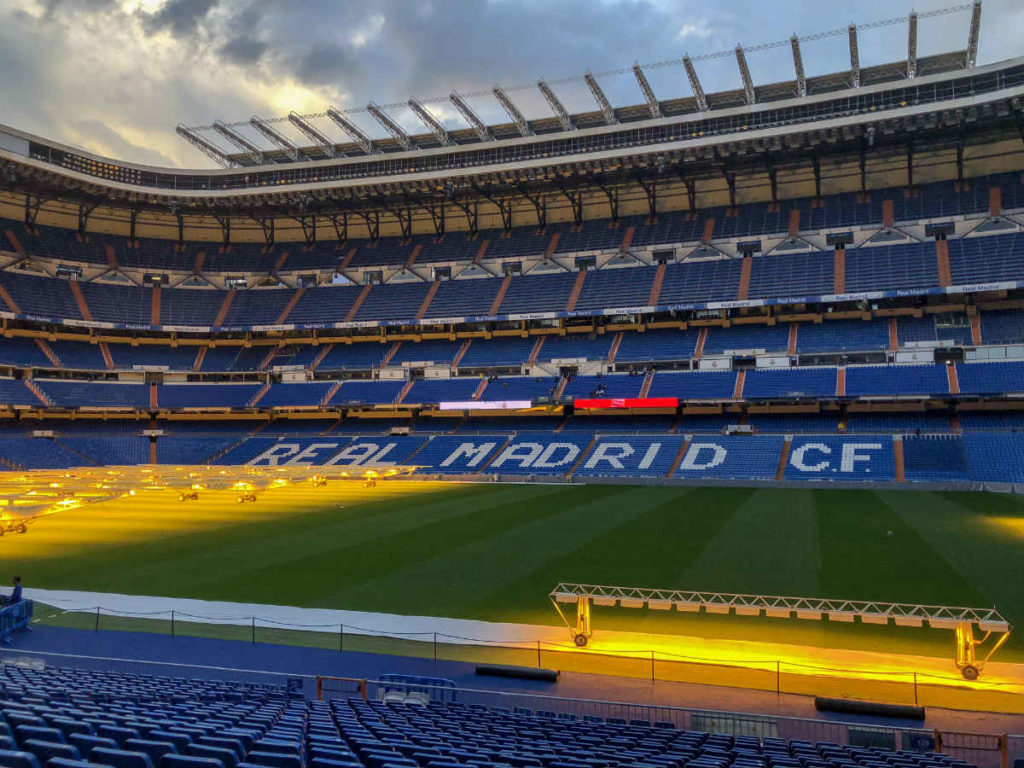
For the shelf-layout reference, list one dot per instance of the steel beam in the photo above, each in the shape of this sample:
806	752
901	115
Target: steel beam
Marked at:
912	46
391	127
798	66
254	152
973	34
275	137
204	146
652	102
432	123
987	619
512	111
353	131
602	101
556	106
695	86
748	83
320	141
482	131
854	56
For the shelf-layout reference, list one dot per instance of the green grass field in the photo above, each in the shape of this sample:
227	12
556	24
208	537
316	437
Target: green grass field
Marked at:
494	552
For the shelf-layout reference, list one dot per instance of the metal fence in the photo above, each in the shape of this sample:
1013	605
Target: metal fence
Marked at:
908	686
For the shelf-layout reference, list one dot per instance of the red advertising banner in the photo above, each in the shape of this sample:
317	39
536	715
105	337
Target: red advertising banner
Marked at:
626	402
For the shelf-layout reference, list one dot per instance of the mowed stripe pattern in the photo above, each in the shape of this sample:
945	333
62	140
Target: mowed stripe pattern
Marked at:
493	552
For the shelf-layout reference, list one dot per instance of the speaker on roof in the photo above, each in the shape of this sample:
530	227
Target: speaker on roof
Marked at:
939	230
839	239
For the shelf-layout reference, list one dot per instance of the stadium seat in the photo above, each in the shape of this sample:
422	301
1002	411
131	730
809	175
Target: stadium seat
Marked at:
120	758
18	759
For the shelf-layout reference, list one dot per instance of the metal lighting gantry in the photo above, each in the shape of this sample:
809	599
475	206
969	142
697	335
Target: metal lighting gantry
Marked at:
961	620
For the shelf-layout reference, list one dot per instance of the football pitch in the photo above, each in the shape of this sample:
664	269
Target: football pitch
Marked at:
493	552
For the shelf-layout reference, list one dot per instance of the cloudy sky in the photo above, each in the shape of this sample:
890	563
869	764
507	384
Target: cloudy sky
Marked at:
116	76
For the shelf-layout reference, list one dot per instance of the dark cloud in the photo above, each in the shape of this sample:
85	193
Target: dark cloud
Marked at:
325	64
181	18
243	51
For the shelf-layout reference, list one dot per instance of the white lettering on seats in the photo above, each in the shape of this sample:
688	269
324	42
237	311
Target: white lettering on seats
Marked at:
851	455
523	453
360	454
797	457
310	452
692	458
545	460
613	453
650	456
273	455
475	453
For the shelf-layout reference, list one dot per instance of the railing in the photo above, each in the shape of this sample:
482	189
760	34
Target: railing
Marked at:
802	677
15	617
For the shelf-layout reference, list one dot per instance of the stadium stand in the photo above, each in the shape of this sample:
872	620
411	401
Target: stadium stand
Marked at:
190	723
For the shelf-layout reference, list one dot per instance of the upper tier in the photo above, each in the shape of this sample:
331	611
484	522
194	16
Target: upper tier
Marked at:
975	263
636	234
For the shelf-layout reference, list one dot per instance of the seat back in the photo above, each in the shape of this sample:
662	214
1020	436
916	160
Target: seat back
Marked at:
155	749
26	732
120	758
227	756
171	760
44	750
12	758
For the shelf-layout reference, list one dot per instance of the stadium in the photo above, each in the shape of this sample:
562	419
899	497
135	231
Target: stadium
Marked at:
686	431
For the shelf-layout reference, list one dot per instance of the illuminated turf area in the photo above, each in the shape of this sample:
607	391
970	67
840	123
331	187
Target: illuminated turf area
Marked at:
493	552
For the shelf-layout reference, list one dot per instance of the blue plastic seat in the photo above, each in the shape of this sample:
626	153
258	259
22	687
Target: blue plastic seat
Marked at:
11	758
272	759
179	740
227	756
155	749
171	760
63	762
67	725
222	742
26	732
45	750
120	758
85	742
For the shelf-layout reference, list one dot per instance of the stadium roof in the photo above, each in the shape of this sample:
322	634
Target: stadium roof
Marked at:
888	111
239	153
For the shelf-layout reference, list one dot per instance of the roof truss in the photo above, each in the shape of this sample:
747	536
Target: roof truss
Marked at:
798	67
912	46
432	123
602	100
482	131
254	152
556	106
748	83
698	90
391	127
204	146
352	130
275	137
652	102
512	111
854	56
320	141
